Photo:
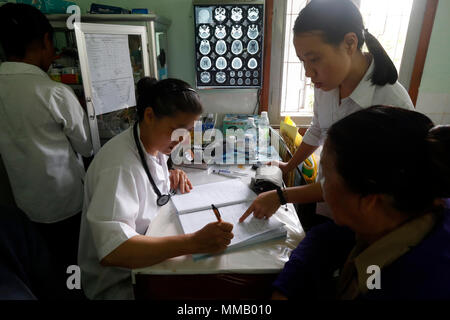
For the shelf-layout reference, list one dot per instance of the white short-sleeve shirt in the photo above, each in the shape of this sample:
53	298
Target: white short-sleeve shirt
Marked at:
42	130
119	204
327	109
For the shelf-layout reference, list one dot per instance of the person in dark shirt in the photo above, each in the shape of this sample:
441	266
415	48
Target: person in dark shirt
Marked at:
391	231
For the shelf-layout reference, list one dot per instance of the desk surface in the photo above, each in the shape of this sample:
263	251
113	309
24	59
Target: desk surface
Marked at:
267	257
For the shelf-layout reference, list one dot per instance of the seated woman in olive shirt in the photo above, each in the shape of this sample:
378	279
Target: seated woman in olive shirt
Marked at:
386	176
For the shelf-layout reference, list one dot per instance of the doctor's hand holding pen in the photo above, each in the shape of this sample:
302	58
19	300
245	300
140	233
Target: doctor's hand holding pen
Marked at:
212	238
179	180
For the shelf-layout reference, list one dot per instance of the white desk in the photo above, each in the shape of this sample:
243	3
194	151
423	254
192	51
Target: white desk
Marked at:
264	258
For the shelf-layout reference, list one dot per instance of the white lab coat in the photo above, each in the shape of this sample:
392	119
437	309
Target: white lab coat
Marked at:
42	128
119	204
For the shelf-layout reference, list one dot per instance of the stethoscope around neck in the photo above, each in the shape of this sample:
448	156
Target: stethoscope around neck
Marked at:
162	198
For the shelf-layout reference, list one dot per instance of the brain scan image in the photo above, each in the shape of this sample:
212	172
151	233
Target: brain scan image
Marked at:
221	77
204	31
236	32
252	63
205	63
252	47
236	14
236	47
221	63
252	31
253	14
204	47
236	63
203	16
205	77
220	32
221	47
220	14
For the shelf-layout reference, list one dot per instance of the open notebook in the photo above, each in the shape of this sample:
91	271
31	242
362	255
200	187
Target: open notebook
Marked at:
232	197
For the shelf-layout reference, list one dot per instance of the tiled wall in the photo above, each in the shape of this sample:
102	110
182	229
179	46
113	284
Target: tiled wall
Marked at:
435	105
434	91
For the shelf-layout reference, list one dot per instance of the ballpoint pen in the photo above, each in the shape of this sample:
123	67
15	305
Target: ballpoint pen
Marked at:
229	172
216	212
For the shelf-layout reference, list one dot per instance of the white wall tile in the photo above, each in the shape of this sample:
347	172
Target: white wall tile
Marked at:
445	118
433	102
435	117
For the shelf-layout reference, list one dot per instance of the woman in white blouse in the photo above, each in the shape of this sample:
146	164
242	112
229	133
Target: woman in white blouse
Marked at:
127	185
328	38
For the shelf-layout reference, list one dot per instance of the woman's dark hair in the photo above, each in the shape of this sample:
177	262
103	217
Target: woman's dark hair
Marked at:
166	97
21	26
393	151
334	19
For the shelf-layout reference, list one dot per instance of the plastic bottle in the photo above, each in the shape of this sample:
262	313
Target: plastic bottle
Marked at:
263	132
251	138
210	121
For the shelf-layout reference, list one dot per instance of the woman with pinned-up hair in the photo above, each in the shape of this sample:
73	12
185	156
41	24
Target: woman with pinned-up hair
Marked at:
127	185
386	178
328	39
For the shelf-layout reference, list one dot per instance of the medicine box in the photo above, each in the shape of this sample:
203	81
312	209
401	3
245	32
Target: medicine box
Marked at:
237	121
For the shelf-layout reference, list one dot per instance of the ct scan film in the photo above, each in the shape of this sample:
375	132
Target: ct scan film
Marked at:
229	45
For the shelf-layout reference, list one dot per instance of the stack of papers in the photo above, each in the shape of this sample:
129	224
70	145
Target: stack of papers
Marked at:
233	198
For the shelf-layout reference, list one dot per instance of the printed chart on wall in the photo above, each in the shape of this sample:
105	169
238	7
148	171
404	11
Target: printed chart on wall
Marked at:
229	45
111	73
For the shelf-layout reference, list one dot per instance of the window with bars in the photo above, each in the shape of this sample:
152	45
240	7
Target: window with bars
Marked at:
387	20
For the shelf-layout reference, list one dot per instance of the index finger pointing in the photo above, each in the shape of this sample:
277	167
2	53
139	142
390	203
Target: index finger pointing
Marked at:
246	213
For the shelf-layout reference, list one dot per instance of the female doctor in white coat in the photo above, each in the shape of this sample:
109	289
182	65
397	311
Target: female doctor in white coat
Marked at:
126	185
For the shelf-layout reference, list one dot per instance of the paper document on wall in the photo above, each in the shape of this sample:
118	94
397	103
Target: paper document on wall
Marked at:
220	194
110	70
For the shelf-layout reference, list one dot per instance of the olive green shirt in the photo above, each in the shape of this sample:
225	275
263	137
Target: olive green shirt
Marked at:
353	279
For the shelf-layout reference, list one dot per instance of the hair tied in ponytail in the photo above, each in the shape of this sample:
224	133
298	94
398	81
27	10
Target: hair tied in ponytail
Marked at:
364	33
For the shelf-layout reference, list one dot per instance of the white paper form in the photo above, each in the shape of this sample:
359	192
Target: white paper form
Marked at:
220	194
111	73
250	228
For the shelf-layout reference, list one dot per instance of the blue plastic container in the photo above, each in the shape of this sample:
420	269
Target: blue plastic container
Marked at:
49	6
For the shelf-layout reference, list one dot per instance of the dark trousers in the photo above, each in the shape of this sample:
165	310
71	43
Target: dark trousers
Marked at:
62	240
27	269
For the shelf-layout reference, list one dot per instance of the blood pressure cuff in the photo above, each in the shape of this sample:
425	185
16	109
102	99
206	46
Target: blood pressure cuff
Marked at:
267	178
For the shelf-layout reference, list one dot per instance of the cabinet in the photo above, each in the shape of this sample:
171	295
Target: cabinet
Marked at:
143	36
